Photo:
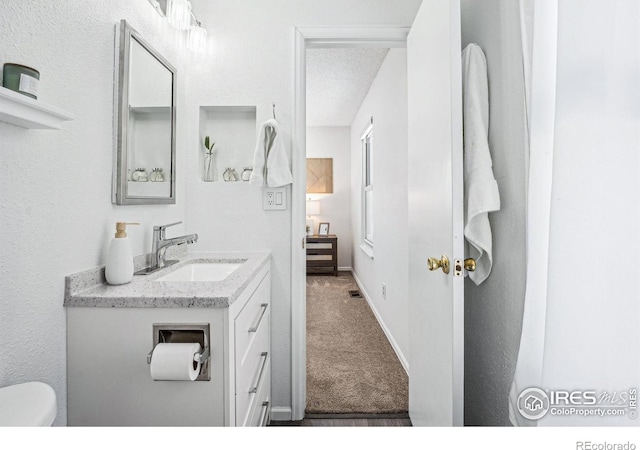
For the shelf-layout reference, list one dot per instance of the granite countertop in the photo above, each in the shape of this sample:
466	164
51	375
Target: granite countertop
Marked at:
89	288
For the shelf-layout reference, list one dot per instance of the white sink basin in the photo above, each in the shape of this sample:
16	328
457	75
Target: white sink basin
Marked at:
202	272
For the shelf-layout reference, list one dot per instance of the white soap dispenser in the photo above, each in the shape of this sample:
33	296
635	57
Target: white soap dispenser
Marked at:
119	268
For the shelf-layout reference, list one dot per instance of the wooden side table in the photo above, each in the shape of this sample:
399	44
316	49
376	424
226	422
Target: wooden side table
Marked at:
322	254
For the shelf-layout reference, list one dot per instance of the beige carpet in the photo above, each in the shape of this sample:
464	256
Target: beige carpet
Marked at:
351	367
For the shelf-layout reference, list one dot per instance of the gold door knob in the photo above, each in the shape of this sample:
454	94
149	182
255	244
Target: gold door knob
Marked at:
470	264
435	264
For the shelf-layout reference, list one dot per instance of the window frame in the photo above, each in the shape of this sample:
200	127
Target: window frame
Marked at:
366	139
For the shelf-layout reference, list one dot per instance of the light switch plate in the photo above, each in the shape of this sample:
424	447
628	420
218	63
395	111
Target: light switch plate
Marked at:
274	199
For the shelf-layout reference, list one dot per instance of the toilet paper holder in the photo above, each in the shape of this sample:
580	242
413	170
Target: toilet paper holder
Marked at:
186	333
198	357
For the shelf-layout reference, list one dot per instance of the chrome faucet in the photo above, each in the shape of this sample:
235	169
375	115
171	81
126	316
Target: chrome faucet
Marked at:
161	244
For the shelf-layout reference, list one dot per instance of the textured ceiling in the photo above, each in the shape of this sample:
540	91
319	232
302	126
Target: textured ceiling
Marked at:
338	80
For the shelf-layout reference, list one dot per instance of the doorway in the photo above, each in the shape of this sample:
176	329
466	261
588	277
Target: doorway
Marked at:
435	212
356	112
393	37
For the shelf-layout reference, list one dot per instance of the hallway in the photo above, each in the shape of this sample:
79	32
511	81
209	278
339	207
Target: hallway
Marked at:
351	367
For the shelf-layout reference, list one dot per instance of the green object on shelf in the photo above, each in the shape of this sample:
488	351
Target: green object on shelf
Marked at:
21	79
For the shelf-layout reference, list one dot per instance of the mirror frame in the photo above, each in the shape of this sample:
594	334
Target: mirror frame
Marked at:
120	194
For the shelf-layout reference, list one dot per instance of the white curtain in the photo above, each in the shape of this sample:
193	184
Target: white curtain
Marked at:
539	25
526	29
582	306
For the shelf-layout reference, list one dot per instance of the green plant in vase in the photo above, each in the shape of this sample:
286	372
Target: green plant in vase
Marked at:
209	166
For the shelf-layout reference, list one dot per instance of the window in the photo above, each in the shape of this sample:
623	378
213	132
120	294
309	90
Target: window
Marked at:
367	185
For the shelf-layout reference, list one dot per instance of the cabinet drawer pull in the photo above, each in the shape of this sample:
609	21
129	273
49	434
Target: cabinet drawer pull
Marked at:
265	414
254	328
254	389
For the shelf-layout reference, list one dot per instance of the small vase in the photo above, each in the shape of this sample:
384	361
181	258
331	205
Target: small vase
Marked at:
209	167
156	175
246	174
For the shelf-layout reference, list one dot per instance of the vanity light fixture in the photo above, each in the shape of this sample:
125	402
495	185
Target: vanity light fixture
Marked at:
178	14
197	38
159	6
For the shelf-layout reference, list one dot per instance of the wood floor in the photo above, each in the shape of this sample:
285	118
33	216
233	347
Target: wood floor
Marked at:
349	420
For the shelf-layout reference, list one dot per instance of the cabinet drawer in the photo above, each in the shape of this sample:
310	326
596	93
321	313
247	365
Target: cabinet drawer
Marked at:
253	316
261	408
319	245
319	257
251	372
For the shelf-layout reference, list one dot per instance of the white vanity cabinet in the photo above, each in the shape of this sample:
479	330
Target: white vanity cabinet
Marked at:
109	380
251	359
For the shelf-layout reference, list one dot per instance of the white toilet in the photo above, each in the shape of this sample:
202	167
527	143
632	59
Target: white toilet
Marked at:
31	404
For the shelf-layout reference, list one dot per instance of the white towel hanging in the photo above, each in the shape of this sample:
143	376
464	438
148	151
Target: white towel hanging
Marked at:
270	162
481	189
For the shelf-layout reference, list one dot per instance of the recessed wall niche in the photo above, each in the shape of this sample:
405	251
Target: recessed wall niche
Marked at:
233	129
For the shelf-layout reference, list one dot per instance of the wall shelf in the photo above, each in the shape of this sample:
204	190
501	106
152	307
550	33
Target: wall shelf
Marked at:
233	129
26	112
148	189
219	183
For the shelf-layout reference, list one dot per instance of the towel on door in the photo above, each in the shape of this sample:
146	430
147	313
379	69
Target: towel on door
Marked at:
270	162
480	187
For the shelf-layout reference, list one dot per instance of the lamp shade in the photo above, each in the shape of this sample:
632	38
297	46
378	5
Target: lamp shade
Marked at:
313	207
179	14
197	39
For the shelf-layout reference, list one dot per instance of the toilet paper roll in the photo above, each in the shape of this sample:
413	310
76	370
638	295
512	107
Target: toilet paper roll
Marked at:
175	361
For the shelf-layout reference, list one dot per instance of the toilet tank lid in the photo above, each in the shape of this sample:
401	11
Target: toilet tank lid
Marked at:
31	404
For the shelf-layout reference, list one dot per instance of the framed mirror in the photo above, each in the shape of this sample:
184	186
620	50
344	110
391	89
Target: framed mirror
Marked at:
145	154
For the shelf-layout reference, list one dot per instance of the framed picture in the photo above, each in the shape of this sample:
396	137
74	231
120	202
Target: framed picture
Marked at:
323	229
319	175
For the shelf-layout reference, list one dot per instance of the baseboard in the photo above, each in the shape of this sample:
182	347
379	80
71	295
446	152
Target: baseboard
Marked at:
387	332
345	269
281	413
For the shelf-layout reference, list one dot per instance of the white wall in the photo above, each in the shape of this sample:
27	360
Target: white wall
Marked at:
334	142
493	310
250	62
56	211
387	103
